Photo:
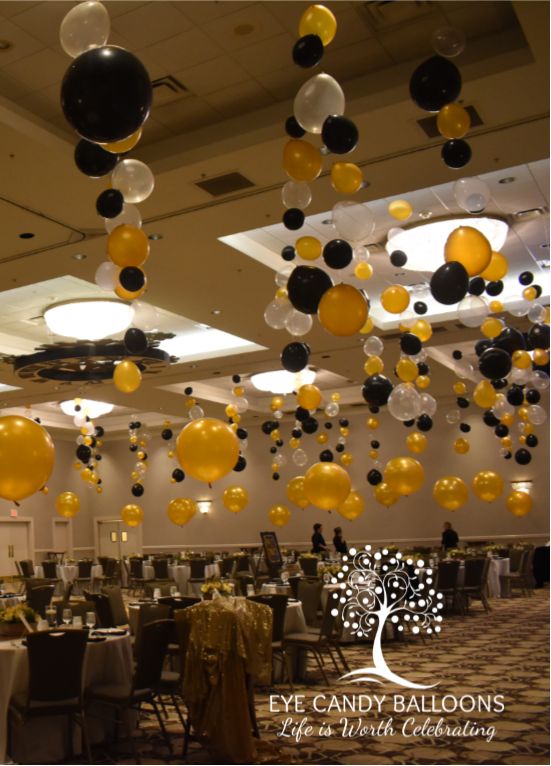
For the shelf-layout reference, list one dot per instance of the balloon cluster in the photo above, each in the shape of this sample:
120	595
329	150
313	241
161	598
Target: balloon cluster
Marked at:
451	492
167	435
237	406
89	443
106	97
138	443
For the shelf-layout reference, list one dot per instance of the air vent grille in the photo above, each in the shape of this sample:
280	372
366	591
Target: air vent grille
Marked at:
226	184
383	14
167	90
428	124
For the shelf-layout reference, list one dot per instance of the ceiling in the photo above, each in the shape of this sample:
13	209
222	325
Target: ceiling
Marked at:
233	60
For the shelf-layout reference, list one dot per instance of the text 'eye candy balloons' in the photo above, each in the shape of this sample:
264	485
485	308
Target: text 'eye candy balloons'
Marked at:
435	83
320	97
306	287
106	94
86	26
449	283
134	180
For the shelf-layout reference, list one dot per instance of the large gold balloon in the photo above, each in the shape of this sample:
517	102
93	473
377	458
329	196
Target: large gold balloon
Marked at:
126	295
318	20
121	147
395	299
384	495
235	499
309	397
295	491
132	515
453	121
326	485
128	246
207	449
404	475
353	506
496	269
400	209
417	442
308	248
67	505
487	485
279	515
127	376
346	177
181	510
470	248
407	370
450	492
343	310
519	503
27	456
484	394
422	329
301	160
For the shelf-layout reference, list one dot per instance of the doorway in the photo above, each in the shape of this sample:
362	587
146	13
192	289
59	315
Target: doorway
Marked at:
16	544
115	539
62	536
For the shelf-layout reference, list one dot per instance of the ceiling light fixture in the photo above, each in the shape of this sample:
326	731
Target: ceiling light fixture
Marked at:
424	243
522	486
204	506
88	319
281	381
79	256
5	45
89	407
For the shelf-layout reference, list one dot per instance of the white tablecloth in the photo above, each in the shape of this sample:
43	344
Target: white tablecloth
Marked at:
42	740
180	573
497	568
68	572
7	601
295	621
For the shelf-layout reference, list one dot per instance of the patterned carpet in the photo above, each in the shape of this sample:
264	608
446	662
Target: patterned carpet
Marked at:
503	653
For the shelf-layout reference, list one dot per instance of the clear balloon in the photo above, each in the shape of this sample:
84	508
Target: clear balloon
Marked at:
361	254
404	403
106	277
319	97
297	323
129	215
353	220
518	376
296	194
196	412
463	369
428	404
276	313
448	41
86	26
134	180
453	417
472	311
282	276
502	407
540	380
536	415
472	194
146	317
536	312
300	458
373	346
332	409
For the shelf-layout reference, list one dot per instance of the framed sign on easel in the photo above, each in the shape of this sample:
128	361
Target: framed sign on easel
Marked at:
272	554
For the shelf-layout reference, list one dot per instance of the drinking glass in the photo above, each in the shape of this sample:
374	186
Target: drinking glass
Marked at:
77	621
90	620
51	615
67	616
173	590
250	590
156	593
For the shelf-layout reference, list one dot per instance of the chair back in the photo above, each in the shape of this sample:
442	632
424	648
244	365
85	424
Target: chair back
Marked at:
293	584
116	604
78	608
84	569
242	564
152	585
103	609
136	568
49	567
160	567
197	569
309	566
327	628
278	605
102	560
448	572
39	598
226	567
27	568
474	572
309	594
110	568
515	559
150	654
55	664
242	582
178	602
149	613
528	563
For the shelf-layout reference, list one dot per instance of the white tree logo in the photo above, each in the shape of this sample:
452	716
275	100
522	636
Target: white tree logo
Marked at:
378	586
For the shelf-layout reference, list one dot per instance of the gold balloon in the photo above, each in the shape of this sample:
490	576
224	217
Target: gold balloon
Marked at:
308	248
461	446
422	382
353	506
404	475
27	456
453	121
322	438
368	326
301	160
235	499
541	356
67	505
343	310
395	299
318	20
470	248
422	329
276	404
309	397
373	365
521	360
121	147
181	510
295	491
406	370
491	327
417	442
496	269
207	449
496	307
279	515
385	495
487	485
326	485
346	458
529	293
346	177
132	515
400	209
450	492
126	295
128	246
127	376
484	394
519	503
363	271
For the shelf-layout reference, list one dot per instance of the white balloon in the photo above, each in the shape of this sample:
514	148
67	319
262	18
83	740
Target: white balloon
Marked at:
86	26
463	369
518	376
298	323
319	97
428	404
404	403
373	346
280	459
361	254
278	414
282	276
472	311
146	317
133	179
453	416
536	415
196	412
502	407
472	194
519	309
448	41
241	404
106	277
352	220
332	409
540	380
296	194
129	215
276	313
300	457
536	312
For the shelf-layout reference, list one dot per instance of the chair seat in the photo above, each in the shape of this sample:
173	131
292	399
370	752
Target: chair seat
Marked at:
173	649
117	694
18	705
170	678
301	638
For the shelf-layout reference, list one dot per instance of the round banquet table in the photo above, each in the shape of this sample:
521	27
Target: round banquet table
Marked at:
68	572
180	573
41	740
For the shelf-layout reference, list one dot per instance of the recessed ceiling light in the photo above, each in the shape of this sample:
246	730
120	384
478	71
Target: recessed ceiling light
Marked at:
5	45
282	381
326	356
327	222
243	29
26	235
79	256
425	215
216	312
155	237
507	180
89	319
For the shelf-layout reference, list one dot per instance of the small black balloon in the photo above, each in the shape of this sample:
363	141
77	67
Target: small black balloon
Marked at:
188	390
410	344
308	51
457	354
306	287
501	430
462	402
476	286
374	409
240	465
137	489
481	345
292	127
449	283
326	456
435	83
375	444
337	254
510	340
515	396
339	448
339	134
499	383
293	218
508	455
423	368
490	419
92	160
178	475
526	278
273	450
97	457
83	453
296	433
236	378
166	434
538	336
310	425
531	440
329	425
538	290
288	253
374	477
523	456
344	422
495	363
420	307
533	396
301	413
424	422
275	476
294	356
268	426
106	94
132	278
494	288
456	153
408	423
241	433
376	390
100	431
464	428
135	340
398	258
133	448
109	203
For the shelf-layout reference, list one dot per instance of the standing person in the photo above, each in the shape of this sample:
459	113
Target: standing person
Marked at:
450	538
318	541
339	542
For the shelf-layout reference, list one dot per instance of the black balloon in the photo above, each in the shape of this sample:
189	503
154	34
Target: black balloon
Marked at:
538	336
424	423
515	396
531	440
135	340
490	419
495	363
288	253
275	476
408	423
106	94
241	433
302	414
293	218
523	456
481	345
293	128
178	475
310	425
510	339
435	83
133	448
294	356
538	290
376	390
109	203
526	278
423	368
462	402
508	455
398	258
137	489
83	453
241	464
375	444
410	344
306	287
337	254
166	434
499	383
308	51
339	448
268	426
501	430
132	278
476	286
494	288
533	396
457	354
92	160
326	456
464	428
449	283
100	431
456	153
339	134
296	433
420	307
374	477
344	422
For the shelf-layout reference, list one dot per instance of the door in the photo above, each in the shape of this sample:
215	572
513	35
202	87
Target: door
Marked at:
117	540
15	545
62	536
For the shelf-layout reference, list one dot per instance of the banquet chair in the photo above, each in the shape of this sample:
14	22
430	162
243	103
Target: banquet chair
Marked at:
524	578
160	567
309	593
309	566
294	581
515	578
476	582
242	565
84	575
146	681
163	585
49	567
55	688
226	566
136	580
116	602
446	580
110	572
515	559
278	605
197	574
104	615
149	613
178	602
39	598
27	568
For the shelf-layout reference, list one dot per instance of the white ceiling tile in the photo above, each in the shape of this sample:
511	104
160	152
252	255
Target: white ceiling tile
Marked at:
10	9
283	83
43	20
118	7
182	51
22	43
39	69
246	96
204	11
153	131
151	23
266	56
187	114
245	27
356	60
212	75
12	89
